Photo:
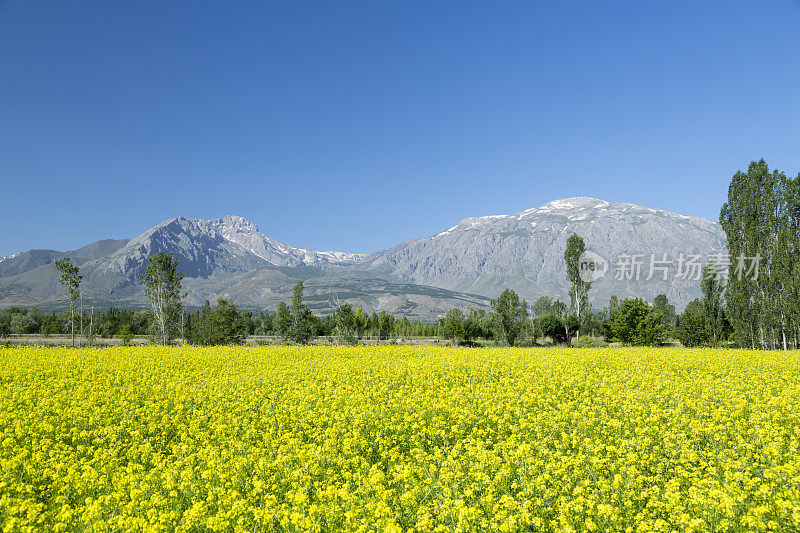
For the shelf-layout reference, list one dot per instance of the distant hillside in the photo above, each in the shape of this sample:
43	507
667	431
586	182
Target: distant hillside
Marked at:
25	261
227	257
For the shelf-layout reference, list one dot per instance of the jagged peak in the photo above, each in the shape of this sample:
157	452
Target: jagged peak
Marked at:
239	232
235	221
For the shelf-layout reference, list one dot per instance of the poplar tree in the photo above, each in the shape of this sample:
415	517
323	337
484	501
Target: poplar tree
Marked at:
579	290
713	287
345	320
162	286
453	325
362	321
300	329
667	310
761	220
282	322
71	281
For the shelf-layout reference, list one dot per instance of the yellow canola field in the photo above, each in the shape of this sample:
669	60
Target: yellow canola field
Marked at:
398	439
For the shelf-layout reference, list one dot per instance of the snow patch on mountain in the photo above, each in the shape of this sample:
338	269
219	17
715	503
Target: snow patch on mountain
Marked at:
241	231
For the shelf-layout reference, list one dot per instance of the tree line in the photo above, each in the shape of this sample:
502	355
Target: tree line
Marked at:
762	220
168	320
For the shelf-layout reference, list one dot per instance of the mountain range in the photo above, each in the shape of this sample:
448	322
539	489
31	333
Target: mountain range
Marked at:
463	266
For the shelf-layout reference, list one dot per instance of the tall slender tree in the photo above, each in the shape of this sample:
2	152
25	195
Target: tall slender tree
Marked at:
345	320
362	321
453	325
667	310
579	289
162	286
71	280
301	327
713	286
282	322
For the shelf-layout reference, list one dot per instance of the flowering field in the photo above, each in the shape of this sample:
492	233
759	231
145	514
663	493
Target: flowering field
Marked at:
398	439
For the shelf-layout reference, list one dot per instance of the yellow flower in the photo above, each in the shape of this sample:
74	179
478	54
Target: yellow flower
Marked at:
398	438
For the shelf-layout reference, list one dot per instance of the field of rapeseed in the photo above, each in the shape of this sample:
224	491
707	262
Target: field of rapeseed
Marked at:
398	439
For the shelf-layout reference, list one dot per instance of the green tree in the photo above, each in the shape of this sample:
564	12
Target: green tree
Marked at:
5	324
636	323
509	316
222	325
693	327
667	310
385	325
51	325
126	334
579	289
71	280
162	286
476	324
453	325
361	322
542	306
403	326
551	325
23	324
559	309
282	321
301	329
345	320
613	303
713	286
571	326
760	220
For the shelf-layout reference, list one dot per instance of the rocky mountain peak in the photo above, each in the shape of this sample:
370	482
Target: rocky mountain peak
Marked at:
235	223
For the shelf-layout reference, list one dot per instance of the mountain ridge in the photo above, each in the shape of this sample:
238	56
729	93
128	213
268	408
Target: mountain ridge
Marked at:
524	250
465	265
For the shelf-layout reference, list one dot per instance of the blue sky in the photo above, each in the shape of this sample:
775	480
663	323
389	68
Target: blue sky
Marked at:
357	125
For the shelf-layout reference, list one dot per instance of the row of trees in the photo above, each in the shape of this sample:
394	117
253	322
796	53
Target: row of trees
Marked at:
761	220
632	321
509	322
167	319
106	324
298	324
220	324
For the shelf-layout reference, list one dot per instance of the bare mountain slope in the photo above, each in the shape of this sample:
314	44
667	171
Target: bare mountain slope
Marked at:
525	250
25	261
228	258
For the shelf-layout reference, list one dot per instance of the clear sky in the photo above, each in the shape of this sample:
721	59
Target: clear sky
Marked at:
357	125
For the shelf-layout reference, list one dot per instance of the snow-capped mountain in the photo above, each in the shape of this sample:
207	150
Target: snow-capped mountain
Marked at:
525	251
462	266
204	247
